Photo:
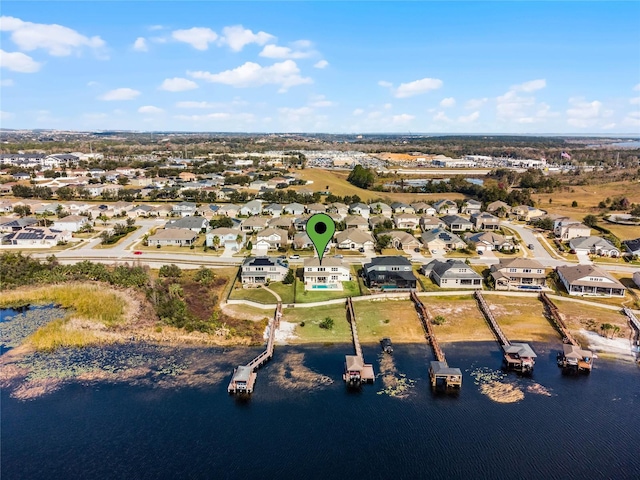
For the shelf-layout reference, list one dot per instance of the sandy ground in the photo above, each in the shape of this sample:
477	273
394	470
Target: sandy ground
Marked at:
284	333
618	347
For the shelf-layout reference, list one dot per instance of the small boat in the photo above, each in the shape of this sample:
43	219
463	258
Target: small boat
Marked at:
386	345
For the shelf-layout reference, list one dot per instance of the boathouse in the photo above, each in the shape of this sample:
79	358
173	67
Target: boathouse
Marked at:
442	374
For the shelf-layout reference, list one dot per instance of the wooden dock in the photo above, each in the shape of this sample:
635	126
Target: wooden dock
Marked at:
244	376
635	326
356	371
572	357
439	371
517	356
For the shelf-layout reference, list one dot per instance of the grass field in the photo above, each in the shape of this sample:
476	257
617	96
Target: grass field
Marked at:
463	320
522	318
338	185
258	295
579	316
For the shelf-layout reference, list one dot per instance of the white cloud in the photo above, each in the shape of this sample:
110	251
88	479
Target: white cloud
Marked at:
635	101
208	116
198	37
18	62
448	102
275	51
441	117
469	118
156	27
237	37
417	87
57	40
637	88
178	84
475	103
140	45
320	101
285	74
387	106
632	119
357	112
530	86
583	114
191	104
7	82
385	84
92	83
6	115
119	94
321	64
402	118
295	114
150	109
608	126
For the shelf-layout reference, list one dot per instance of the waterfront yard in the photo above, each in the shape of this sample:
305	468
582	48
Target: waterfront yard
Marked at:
522	318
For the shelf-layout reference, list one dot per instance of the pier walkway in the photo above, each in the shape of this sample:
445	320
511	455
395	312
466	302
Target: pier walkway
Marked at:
517	356
439	371
355	370
244	376
635	325
572	356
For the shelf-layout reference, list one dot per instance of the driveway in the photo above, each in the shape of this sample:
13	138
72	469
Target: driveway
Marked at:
583	259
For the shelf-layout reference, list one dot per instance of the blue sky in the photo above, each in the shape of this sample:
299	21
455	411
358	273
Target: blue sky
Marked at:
335	67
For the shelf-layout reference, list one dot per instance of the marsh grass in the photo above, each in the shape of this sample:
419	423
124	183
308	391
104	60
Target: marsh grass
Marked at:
88	302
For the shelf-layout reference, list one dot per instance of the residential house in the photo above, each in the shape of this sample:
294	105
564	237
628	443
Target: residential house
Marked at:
184	209
356	221
429	222
589	280
294	208
301	241
594	246
354	239
499	208
455	223
300	223
379	208
636	278
254	224
423	208
70	223
526	213
339	209
163	210
490	241
47	208
180	237
518	274
229	210
439	239
446	207
142	211
327	275
272	239
315	208
359	209
407	221
567	229
254	207
401	240
226	236
195	224
633	246
17	224
376	220
452	274
187	176
485	221
389	273
470	206
273	209
36	237
258	270
399	207
281	222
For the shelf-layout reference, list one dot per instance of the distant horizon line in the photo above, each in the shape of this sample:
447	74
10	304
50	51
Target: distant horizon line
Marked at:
630	136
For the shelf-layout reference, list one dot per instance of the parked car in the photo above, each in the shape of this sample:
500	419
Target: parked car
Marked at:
361	249
294	257
531	246
417	250
479	252
137	252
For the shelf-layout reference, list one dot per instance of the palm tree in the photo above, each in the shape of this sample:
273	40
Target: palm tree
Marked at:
175	290
239	240
216	241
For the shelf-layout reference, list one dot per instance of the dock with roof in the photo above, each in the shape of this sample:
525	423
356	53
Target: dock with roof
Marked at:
356	372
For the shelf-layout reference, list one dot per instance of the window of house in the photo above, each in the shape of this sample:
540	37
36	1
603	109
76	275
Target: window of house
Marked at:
513	270
527	270
334	269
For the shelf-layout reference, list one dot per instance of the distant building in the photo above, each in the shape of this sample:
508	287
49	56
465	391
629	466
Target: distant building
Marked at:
589	280
328	275
518	274
452	274
257	270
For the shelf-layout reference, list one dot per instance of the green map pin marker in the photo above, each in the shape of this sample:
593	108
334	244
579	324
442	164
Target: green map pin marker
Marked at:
320	228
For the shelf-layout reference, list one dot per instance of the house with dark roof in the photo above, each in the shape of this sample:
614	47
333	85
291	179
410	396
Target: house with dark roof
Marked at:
589	280
257	270
17	224
452	274
389	273
195	224
518	274
36	237
456	223
633	246
446	207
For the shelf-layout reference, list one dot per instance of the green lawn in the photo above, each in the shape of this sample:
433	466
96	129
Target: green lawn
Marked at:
350	289
285	291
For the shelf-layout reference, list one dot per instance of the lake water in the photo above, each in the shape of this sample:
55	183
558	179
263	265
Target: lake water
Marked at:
299	427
